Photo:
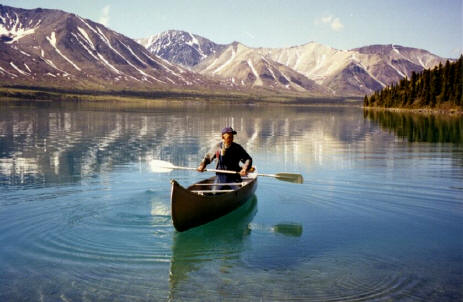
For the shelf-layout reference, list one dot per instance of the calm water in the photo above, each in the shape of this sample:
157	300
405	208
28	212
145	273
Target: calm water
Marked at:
82	217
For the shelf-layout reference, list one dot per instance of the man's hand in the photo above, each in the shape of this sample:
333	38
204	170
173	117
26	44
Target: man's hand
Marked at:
201	168
243	172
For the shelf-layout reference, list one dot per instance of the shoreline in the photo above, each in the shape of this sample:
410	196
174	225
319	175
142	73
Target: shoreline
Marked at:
426	111
17	94
51	95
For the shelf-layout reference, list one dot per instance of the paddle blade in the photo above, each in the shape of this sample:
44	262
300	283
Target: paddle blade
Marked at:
288	229
290	177
161	166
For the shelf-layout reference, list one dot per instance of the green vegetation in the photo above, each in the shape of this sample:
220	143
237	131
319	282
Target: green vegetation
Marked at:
439	88
252	97
433	128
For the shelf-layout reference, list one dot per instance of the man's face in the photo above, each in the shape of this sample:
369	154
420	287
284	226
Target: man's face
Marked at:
227	138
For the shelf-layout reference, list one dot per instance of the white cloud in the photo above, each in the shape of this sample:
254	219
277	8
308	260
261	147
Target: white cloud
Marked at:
331	21
336	25
104	18
327	19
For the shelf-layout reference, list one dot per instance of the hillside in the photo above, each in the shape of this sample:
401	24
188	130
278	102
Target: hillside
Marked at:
440	87
330	71
44	47
56	49
244	67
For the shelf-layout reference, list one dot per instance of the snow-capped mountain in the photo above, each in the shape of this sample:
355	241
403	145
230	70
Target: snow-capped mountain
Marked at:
355	71
340	72
181	47
245	66
398	61
43	47
55	48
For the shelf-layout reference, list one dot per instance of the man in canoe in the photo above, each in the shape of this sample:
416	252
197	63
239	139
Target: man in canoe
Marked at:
228	154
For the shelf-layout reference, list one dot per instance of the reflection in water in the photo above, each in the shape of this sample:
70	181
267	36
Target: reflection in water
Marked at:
288	229
221	239
420	128
83	218
45	144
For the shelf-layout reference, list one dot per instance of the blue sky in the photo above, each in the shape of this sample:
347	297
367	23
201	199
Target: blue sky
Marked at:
434	25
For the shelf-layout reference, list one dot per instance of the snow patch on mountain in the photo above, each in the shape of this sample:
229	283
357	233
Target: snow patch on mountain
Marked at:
180	47
4	71
79	39
86	37
11	29
18	69
227	62
52	40
258	81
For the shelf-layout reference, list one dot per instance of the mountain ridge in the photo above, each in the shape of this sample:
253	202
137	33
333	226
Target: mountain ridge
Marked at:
194	47
242	66
55	48
357	71
47	47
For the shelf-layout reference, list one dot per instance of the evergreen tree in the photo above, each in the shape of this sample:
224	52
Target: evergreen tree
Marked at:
431	88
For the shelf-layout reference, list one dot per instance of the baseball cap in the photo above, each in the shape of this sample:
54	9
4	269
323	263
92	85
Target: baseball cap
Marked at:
228	130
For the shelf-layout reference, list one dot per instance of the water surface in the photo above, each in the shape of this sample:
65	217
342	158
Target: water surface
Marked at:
379	217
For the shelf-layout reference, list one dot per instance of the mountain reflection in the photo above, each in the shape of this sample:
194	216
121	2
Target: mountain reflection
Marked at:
420	128
59	142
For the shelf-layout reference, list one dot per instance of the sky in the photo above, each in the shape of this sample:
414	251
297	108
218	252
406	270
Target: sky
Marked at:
434	25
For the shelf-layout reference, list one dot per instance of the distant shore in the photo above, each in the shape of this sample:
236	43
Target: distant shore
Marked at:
62	95
450	111
55	94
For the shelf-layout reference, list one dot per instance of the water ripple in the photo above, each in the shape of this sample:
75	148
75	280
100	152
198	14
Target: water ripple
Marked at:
94	233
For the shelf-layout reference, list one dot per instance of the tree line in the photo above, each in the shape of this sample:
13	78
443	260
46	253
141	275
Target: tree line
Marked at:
440	88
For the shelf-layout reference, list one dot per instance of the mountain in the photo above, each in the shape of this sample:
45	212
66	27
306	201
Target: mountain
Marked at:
342	72
181	47
43	47
244	66
357	71
440	87
398	61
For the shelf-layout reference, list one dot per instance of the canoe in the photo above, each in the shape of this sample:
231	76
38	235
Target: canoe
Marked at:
206	201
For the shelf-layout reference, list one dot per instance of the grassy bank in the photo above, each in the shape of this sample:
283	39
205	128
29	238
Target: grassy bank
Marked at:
54	94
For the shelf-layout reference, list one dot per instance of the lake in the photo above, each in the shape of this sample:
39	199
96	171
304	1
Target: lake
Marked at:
83	217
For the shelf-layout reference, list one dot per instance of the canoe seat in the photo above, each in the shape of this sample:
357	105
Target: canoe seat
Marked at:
222	184
212	191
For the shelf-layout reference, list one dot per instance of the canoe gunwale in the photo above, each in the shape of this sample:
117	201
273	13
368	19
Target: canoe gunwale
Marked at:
190	209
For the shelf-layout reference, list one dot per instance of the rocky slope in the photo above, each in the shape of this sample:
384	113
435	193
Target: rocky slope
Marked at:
44	47
181	47
53	48
244	66
315	67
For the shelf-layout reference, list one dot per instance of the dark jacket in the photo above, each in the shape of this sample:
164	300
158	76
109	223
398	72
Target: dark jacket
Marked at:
230	160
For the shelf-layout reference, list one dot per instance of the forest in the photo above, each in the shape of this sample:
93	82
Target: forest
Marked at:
437	88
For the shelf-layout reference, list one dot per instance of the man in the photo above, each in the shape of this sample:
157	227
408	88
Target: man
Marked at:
228	155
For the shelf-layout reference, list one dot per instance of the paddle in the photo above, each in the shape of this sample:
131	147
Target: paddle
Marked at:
162	166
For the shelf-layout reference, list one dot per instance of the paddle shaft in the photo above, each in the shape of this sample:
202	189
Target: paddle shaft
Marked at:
221	171
163	166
